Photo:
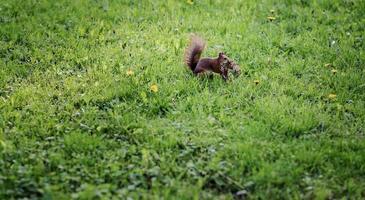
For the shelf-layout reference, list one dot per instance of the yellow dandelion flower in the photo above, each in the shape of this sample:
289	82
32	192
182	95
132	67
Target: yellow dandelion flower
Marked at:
271	18
334	71
129	72
154	88
256	82
332	96
191	2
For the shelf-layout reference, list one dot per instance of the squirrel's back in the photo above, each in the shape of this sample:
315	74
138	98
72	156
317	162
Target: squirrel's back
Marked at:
194	51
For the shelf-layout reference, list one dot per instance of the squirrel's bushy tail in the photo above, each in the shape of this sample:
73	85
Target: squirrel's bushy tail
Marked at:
194	51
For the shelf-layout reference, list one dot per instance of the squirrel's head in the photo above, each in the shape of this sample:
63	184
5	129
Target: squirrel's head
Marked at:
228	63
225	61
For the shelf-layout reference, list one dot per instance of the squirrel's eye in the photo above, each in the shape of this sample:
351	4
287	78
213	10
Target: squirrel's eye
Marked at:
225	58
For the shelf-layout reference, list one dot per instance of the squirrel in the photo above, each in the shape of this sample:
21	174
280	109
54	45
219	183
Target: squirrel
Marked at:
198	65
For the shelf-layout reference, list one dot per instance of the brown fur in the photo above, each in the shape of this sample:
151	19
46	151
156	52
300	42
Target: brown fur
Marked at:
219	65
194	51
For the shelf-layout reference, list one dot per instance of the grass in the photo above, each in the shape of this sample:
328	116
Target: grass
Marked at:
78	118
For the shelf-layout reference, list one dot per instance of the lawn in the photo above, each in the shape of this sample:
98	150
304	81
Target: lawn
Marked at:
96	103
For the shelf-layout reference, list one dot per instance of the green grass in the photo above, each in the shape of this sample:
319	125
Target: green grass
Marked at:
73	124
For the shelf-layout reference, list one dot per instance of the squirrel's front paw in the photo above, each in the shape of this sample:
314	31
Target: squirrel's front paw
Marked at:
225	78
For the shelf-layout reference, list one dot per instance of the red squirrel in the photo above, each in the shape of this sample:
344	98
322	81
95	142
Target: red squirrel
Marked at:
219	65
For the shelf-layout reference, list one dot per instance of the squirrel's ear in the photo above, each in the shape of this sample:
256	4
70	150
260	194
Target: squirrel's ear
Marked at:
221	54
